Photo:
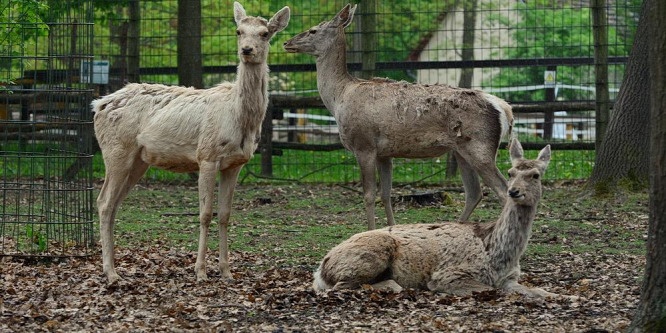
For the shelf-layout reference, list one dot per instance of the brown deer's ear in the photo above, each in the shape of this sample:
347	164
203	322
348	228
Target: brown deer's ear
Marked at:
239	12
515	150
279	21
344	17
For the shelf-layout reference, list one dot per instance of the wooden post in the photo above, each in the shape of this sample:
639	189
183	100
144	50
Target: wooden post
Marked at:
266	143
600	32
133	41
549	116
368	37
189	44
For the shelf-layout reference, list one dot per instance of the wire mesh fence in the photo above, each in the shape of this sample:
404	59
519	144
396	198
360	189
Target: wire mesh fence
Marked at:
46	128
531	53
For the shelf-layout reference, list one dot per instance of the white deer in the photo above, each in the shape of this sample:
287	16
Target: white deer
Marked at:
381	119
187	130
454	258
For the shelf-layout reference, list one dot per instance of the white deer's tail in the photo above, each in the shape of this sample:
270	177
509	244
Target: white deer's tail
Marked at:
505	114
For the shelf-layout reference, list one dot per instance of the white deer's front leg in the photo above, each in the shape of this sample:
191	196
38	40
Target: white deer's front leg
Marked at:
207	171
226	194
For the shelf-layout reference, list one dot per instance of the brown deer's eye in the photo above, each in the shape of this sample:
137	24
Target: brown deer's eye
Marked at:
536	176
265	34
510	175
238	32
313	31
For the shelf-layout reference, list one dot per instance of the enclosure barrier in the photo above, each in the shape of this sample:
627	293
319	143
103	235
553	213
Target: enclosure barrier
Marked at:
46	129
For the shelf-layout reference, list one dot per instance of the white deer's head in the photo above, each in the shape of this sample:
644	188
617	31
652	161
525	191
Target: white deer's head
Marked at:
525	175
320	38
255	33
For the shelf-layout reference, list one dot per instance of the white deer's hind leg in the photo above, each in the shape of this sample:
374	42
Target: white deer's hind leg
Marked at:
122	173
385	179
207	171
228	181
472	186
368	166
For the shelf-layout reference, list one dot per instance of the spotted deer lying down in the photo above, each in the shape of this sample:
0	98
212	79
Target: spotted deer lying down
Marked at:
454	258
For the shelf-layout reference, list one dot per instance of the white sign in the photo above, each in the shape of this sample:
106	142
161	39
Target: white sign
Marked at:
549	79
100	72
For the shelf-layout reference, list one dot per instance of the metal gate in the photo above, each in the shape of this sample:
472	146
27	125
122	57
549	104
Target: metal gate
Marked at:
46	188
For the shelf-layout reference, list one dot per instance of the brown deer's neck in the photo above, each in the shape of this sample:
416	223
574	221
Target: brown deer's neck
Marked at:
332	74
508	240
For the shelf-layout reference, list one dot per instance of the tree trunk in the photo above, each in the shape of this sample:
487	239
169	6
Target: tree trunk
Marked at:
466	74
624	153
189	44
651	312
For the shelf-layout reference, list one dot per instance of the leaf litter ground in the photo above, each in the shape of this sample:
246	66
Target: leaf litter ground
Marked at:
589	248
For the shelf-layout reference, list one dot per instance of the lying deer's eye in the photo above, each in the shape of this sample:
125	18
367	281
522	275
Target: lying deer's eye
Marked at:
510	175
313	31
536	176
238	32
265	34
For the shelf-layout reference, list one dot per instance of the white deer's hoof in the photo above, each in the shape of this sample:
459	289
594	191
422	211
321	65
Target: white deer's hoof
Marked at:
226	274
113	277
202	277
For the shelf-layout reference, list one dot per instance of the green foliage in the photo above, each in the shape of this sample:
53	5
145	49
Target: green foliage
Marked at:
22	24
541	30
35	237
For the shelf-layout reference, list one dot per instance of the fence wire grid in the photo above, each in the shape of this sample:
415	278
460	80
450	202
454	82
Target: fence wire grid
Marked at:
531	53
528	53
45	128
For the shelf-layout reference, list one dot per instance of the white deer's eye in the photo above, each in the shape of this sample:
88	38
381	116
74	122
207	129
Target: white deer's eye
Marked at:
265	34
238	32
536	176
313	31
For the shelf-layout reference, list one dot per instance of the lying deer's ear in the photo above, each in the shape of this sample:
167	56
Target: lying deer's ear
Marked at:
279	21
239	12
515	150
544	155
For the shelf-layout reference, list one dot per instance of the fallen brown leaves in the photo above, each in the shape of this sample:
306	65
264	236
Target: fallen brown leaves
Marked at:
159	293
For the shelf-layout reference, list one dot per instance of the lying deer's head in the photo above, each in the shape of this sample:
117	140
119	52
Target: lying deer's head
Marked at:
320	38
254	33
525	175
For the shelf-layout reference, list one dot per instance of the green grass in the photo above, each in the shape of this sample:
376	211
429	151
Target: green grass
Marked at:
303	222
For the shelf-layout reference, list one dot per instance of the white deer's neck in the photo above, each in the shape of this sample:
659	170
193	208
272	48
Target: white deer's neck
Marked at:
332	74
507	243
252	94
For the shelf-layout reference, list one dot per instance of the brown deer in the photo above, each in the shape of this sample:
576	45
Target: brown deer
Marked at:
381	119
187	130
454	258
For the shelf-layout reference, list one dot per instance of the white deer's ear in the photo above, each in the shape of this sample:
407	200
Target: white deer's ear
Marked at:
279	21
515	150
344	17
239	12
544	155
